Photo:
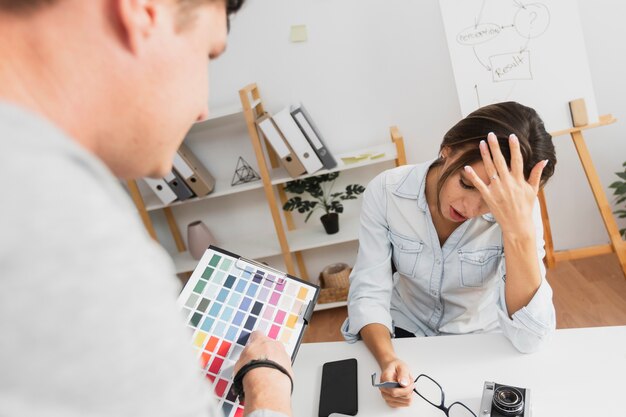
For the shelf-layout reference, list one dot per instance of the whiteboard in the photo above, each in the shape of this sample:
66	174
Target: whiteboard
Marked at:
529	52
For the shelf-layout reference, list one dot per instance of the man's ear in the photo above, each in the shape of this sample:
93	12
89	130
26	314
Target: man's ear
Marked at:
136	21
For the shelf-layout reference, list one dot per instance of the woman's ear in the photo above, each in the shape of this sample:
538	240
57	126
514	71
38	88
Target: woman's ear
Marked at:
445	152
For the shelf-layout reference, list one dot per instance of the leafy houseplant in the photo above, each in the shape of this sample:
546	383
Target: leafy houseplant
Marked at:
620	196
323	196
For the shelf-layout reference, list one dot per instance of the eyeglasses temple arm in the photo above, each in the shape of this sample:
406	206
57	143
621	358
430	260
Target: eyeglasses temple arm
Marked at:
388	384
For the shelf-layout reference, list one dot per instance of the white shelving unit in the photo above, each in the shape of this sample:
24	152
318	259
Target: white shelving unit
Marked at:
286	240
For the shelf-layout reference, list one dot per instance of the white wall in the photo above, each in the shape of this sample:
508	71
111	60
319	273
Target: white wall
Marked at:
371	64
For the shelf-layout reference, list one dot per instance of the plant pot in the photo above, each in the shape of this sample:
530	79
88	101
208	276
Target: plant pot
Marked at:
198	239
330	222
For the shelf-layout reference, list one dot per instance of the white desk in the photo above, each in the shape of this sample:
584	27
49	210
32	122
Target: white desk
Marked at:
580	372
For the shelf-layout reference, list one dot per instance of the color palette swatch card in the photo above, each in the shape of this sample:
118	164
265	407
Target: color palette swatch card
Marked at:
227	298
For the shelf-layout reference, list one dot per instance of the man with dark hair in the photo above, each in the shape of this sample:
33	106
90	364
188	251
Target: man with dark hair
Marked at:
91	90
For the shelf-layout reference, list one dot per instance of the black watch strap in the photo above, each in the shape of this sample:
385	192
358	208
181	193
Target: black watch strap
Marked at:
237	387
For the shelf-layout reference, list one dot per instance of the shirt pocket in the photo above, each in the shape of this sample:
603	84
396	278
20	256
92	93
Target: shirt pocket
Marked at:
405	254
478	265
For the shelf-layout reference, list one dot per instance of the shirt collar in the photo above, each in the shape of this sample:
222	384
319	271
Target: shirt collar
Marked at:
413	186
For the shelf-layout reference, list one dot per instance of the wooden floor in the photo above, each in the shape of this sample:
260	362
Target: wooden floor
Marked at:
588	292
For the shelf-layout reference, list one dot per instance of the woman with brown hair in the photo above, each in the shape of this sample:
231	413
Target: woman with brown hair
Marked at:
455	245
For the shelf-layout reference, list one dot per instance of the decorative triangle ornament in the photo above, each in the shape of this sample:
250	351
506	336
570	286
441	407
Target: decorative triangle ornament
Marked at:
244	173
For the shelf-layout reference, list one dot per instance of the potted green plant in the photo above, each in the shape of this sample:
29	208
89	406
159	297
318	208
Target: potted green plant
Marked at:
320	188
619	191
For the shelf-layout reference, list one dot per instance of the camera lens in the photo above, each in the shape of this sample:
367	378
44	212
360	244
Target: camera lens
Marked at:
508	400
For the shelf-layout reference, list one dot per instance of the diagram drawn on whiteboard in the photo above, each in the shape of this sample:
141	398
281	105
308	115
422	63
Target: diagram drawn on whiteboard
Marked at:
531	52
528	21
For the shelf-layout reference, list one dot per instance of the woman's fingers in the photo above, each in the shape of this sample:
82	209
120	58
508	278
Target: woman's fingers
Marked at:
476	181
397	399
517	161
490	167
535	175
498	158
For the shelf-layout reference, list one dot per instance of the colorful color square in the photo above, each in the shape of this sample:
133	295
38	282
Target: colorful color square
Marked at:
291	321
241	286
221	296
286	302
215	309
250	323
234	300
215	260
280	317
226	263
220	388
238	318
195	319
227	313
204	359
297	307
224	348
273	333
269	313
208	272
286	336
263	294
207	324
256	308
262	326
230	281
252	290
245	304
204	303
302	293
231	333
192	300
243	338
216	365
274	298
198	341
226	407
199	286
210	344
220	329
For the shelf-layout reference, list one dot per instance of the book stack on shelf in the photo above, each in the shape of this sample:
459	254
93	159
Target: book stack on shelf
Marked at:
187	179
296	141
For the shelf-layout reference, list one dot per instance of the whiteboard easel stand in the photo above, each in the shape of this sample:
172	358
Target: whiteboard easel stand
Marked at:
617	245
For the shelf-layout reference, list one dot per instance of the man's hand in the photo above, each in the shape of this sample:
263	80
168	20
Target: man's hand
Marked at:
266	388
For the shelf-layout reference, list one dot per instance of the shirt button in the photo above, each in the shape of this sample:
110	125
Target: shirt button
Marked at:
434	293
438	261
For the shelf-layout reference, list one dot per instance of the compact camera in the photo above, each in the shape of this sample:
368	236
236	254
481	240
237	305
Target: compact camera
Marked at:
504	401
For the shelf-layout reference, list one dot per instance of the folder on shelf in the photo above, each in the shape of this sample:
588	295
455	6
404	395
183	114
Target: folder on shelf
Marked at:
286	154
295	138
196	176
161	189
312	134
177	184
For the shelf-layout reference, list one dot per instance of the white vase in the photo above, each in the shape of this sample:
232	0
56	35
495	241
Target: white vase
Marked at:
198	239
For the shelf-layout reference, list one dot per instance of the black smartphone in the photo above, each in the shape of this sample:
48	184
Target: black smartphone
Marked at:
339	388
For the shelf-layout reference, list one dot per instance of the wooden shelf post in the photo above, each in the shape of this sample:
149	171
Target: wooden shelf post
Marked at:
252	110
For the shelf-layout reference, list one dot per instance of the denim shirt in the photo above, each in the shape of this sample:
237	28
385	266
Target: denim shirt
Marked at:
454	289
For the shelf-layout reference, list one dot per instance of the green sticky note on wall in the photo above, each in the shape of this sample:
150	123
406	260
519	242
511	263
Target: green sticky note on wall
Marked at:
298	33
